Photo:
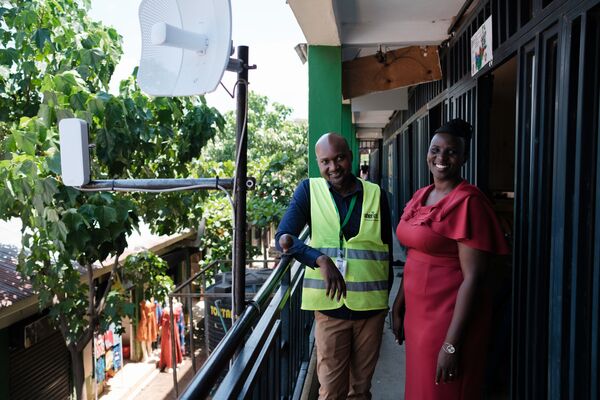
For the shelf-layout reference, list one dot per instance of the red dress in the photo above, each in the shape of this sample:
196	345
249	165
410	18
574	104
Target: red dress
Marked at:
166	358
432	277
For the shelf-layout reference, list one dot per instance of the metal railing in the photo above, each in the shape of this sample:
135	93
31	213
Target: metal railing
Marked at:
188	301
266	352
189	296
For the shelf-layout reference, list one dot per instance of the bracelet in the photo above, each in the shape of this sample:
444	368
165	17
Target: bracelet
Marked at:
448	348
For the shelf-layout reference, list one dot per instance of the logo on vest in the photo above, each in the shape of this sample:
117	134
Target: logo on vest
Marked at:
371	216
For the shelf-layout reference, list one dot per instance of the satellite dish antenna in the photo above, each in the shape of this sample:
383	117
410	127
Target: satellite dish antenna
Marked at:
186	46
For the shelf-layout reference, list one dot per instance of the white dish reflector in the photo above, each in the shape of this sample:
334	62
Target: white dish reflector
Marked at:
186	46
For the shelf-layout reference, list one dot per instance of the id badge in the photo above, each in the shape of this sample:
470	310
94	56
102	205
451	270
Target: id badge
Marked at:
341	263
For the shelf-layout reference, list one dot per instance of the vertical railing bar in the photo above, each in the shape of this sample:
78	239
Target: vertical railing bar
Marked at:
191	315
173	355
285	333
575	255
192	350
206	310
595	325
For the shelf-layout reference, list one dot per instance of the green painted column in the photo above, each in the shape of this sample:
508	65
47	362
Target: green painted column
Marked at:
326	113
349	132
4	367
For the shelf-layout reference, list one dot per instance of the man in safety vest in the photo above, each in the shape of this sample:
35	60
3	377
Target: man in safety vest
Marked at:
347	284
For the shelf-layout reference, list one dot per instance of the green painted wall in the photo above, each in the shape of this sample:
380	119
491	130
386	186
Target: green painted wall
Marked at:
4	342
326	113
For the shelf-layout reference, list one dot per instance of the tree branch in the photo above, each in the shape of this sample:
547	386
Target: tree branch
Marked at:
91	291
86	336
94	310
102	301
62	325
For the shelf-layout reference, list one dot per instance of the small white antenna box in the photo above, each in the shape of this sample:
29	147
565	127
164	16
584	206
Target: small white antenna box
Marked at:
74	151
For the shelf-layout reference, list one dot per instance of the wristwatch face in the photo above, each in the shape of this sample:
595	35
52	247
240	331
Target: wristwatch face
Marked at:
448	348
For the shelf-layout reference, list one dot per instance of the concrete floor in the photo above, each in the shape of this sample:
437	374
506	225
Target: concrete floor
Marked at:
142	380
388	381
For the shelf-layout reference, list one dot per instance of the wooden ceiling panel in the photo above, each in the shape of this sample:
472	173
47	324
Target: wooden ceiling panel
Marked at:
393	69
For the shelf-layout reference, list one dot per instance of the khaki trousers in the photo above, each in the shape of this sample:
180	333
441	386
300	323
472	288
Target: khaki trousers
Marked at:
347	352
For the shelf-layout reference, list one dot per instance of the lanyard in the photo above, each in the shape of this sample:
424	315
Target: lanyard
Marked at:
343	224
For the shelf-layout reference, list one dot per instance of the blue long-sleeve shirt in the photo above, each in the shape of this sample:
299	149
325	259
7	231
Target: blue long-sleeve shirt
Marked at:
297	217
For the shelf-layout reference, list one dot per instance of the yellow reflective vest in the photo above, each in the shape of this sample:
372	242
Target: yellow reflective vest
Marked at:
366	255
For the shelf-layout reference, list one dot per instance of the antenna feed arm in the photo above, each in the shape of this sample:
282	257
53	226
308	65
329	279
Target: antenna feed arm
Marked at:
237	66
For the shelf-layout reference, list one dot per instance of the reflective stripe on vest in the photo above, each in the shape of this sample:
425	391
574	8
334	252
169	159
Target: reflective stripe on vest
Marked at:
356	253
354	286
366	254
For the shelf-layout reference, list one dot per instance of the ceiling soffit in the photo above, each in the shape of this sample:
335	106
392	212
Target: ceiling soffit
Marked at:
395	99
317	21
362	27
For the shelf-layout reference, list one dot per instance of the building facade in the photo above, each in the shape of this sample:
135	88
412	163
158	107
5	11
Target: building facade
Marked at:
535	108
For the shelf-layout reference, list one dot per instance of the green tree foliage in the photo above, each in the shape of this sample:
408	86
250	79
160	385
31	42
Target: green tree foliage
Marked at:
41	37
277	158
56	63
148	267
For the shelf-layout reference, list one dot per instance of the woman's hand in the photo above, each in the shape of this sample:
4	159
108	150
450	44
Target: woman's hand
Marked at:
472	264
398	310
447	367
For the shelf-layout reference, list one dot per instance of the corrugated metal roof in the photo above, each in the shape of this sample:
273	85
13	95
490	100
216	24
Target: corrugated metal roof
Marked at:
12	286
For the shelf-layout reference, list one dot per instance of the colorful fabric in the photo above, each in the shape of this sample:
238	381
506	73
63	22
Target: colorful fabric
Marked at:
166	359
108	359
117	356
100	369
179	320
147	327
158	311
99	348
108	339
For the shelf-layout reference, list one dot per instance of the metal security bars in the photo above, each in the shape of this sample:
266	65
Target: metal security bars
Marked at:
267	351
553	47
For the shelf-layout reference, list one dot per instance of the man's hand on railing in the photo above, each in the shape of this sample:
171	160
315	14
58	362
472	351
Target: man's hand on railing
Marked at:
334	281
286	242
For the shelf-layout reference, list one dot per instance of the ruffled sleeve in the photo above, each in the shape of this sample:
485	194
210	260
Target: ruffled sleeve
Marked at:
467	217
414	213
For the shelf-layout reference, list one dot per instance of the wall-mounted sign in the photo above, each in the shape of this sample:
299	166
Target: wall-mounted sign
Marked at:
481	46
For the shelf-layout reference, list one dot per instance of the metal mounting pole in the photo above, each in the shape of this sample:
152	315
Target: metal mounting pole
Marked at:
241	170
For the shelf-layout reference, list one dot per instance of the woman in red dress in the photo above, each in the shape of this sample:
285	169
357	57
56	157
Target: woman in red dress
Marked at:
449	229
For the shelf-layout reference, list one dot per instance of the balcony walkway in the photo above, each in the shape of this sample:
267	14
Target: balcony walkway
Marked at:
388	381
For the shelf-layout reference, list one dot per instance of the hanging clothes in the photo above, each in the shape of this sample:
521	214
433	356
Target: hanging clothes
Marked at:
99	348
100	369
166	360
158	310
178	313
148	326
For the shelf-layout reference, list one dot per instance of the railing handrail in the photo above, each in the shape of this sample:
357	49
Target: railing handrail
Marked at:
202	383
236	380
209	266
195	276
